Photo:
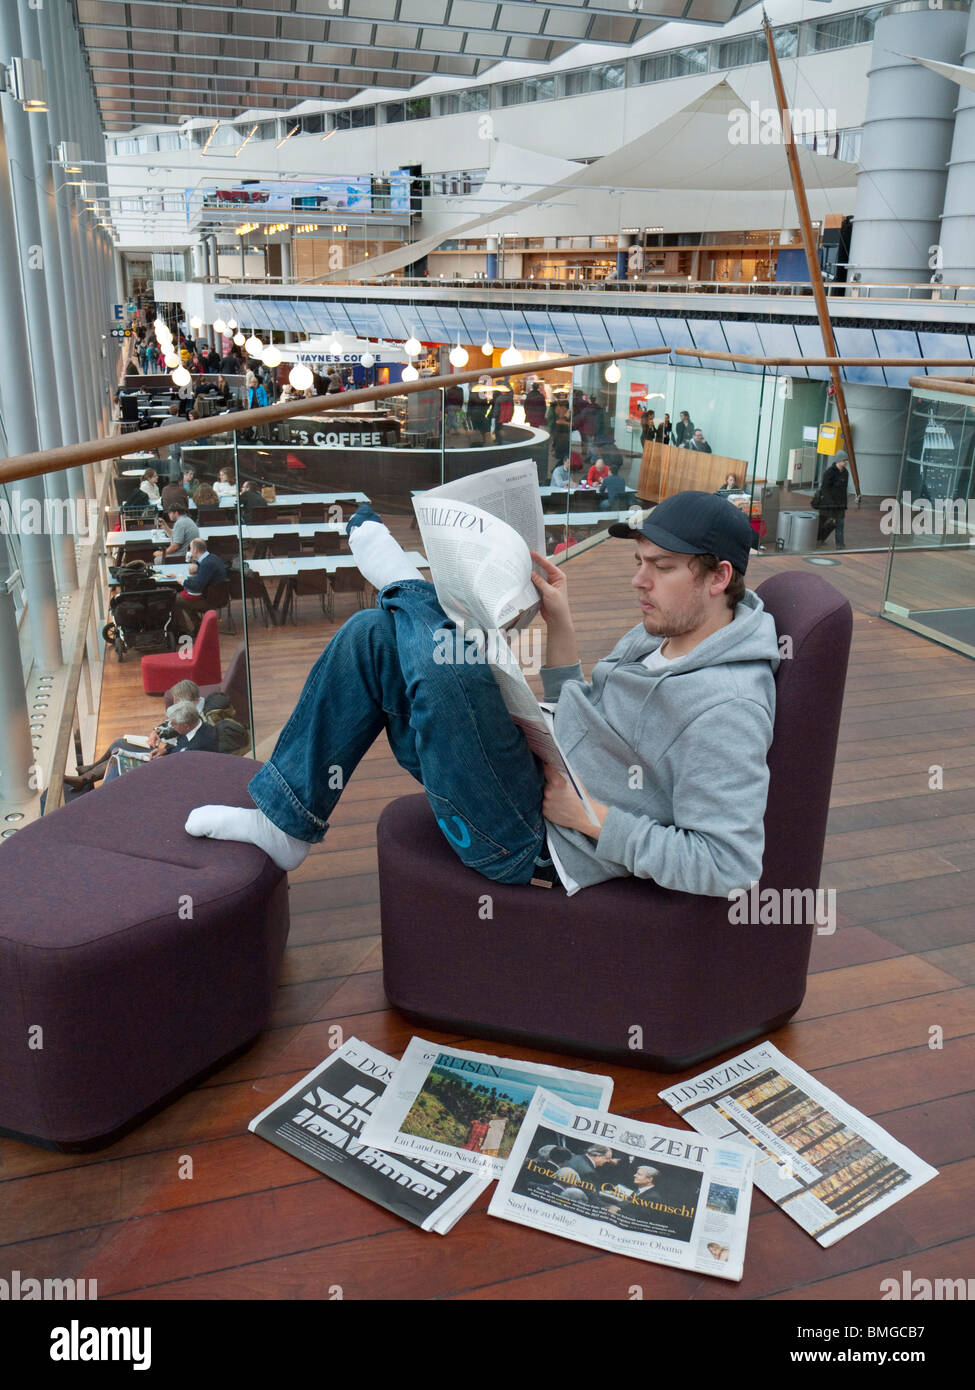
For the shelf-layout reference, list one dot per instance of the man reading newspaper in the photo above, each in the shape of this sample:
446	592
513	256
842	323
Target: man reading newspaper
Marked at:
668	741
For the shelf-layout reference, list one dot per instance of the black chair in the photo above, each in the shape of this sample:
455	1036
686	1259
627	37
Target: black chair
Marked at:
311	582
348	580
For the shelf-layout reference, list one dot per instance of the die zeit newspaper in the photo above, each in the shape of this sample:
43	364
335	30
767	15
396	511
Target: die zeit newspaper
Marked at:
319	1121
477	533
656	1194
825	1164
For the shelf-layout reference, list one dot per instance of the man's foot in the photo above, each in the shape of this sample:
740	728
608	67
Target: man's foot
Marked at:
251	828
79	783
380	558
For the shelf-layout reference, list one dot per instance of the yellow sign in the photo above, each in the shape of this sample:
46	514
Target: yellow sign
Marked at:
830	439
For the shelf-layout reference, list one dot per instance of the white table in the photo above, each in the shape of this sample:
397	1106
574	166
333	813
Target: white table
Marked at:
302	529
283	569
292	499
588	518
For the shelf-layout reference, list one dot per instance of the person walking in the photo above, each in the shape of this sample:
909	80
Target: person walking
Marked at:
832	501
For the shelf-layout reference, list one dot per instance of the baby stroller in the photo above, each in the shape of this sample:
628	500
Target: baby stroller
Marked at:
141	619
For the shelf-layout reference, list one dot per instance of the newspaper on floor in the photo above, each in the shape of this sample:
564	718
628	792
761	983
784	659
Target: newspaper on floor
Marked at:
826	1165
320	1121
656	1194
446	1105
477	533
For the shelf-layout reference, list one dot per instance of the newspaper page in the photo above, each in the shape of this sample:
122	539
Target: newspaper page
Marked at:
481	570
656	1194
510	493
480	565
827	1166
320	1121
465	1108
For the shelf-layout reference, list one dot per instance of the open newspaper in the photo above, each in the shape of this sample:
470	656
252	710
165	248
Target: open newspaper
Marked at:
636	1189
477	533
320	1121
465	1108
826	1165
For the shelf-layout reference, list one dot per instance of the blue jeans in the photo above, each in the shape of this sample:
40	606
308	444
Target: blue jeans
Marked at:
446	724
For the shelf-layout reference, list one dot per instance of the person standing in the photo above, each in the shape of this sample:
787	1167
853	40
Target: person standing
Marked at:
832	501
684	431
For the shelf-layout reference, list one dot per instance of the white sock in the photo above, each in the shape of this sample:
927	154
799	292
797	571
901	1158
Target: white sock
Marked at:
250	827
380	558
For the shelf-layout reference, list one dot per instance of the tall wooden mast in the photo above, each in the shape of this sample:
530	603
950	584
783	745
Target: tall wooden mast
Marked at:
809	242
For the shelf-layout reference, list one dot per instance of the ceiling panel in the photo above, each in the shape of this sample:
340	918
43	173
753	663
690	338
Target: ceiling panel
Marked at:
240	39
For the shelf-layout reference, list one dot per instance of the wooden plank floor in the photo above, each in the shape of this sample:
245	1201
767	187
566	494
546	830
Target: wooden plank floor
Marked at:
887	1022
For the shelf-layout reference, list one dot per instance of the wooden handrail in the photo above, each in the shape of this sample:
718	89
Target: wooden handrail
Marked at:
957	386
829	361
73	455
95	450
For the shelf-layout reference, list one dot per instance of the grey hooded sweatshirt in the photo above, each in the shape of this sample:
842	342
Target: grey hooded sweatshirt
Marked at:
678	755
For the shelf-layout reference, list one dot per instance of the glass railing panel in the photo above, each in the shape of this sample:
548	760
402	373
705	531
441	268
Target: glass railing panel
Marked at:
929	522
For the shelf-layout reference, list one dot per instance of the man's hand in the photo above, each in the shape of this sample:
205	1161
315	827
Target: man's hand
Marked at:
154	740
552	587
160	750
562	806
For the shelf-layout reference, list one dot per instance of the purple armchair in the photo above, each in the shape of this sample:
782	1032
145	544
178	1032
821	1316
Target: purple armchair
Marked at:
628	971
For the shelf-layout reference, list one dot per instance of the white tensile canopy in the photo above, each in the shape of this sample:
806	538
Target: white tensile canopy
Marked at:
717	143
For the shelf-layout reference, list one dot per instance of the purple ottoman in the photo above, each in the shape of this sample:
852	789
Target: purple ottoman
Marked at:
134	959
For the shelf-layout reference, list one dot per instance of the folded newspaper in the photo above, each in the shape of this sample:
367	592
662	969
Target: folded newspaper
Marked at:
446	1105
636	1189
826	1165
320	1121
478	532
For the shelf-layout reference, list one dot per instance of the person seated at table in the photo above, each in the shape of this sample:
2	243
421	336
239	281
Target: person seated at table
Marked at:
149	486
561	475
205	496
190	482
597	473
730	484
182	691
224	486
612	490
182	529
251	499
174	494
205	570
699	443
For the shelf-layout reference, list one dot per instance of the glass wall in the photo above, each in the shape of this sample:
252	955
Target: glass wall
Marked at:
930	522
272	502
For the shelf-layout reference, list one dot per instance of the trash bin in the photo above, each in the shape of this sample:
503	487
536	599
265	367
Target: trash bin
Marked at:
804	530
783	530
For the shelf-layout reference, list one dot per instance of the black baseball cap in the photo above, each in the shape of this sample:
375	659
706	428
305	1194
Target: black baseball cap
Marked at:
695	523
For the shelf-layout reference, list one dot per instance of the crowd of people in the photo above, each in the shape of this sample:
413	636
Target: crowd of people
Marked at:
263	385
684	435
